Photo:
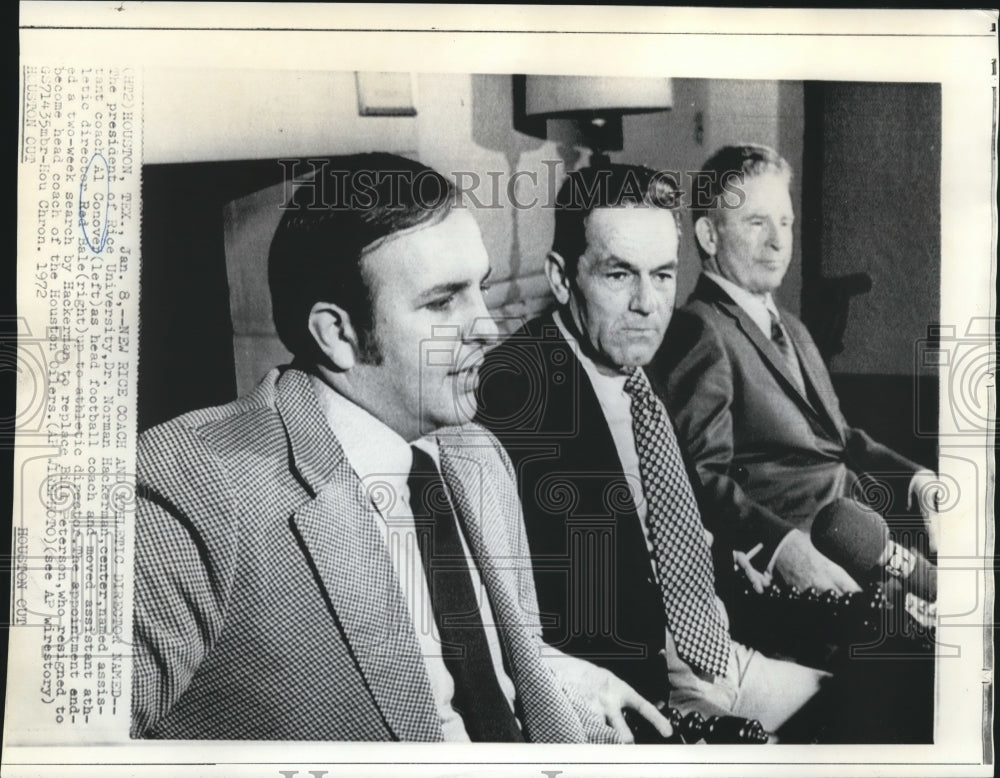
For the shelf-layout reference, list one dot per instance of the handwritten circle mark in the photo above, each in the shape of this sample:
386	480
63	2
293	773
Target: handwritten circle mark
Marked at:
99	221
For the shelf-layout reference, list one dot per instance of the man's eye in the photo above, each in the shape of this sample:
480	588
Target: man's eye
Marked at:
485	289
441	304
664	276
617	275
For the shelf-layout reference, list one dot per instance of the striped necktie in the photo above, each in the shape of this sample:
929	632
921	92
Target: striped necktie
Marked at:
780	339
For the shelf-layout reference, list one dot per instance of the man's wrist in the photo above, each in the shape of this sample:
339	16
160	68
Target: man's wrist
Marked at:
777	552
913	492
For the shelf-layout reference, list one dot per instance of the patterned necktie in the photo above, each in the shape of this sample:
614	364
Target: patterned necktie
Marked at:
478	697
683	561
780	339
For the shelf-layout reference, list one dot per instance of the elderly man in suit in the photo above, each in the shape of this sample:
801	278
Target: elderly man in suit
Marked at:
622	561
746	386
302	571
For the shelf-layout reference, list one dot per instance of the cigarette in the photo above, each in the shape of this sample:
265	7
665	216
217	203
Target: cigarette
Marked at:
754	551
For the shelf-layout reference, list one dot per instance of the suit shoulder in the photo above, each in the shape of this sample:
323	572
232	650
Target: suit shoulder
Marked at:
515	376
699	312
475	440
694	329
210	423
538	331
207	438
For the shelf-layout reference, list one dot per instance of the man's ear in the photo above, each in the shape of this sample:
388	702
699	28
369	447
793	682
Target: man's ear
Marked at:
331	328
704	231
555	272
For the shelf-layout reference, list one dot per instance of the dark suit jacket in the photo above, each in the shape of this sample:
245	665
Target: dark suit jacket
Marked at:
592	569
266	604
769	455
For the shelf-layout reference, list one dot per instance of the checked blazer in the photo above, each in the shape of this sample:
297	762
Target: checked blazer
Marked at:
768	453
266	603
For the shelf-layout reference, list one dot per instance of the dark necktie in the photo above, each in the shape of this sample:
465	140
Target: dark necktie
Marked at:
478	697
680	550
780	339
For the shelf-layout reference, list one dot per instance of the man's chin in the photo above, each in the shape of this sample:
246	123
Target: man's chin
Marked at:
464	413
769	282
636	358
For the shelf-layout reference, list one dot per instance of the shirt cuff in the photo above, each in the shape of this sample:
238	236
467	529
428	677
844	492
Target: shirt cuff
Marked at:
777	550
912	488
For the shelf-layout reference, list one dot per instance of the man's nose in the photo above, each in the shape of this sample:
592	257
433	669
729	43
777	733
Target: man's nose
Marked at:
643	296
776	234
482	327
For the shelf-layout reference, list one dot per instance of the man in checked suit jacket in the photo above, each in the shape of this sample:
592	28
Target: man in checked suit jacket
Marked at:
555	394
765	430
271	600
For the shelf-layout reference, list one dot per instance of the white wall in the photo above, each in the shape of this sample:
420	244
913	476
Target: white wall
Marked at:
215	115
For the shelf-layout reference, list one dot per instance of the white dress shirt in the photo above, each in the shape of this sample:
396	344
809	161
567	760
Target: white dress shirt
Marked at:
616	404
382	460
758	307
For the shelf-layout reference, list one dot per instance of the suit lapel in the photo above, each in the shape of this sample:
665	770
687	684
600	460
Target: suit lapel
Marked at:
486	512
815	373
339	531
712	293
592	444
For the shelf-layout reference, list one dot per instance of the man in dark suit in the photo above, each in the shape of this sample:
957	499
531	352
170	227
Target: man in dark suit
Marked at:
300	567
750	395
622	561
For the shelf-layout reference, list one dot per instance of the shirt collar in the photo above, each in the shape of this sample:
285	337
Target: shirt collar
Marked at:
758	308
369	445
598	380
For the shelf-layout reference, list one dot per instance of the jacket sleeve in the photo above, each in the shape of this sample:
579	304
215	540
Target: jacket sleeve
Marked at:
863	454
693	375
183	570
594	726
871	456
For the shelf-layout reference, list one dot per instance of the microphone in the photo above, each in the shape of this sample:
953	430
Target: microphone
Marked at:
857	538
694	727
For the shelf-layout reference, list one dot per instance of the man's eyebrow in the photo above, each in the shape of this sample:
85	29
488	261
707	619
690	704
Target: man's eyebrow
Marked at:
453	287
614	261
748	215
443	290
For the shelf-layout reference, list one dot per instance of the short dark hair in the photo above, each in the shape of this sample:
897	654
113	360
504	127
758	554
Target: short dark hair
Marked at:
607	186
725	170
317	249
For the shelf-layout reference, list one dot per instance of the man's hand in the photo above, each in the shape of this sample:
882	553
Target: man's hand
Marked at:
925	488
801	565
607	694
